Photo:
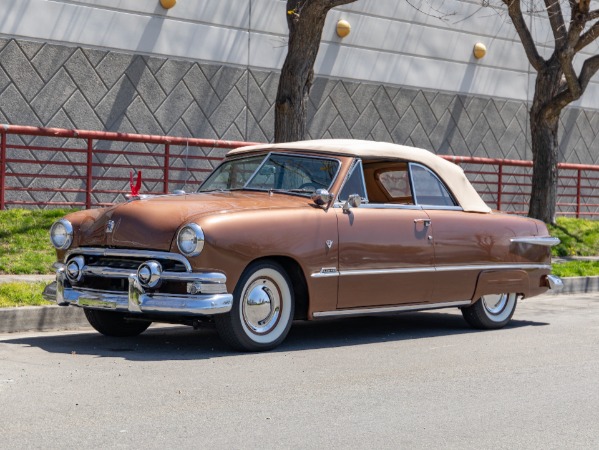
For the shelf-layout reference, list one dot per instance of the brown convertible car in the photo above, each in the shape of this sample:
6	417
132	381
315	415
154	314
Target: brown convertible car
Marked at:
305	230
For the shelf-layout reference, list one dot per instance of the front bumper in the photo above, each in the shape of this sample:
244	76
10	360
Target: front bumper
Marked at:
136	300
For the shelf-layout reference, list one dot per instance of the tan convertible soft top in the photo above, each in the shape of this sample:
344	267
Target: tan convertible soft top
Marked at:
451	174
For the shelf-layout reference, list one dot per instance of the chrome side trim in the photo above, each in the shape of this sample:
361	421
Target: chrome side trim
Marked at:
494	267
546	241
407	270
125	253
389	309
345	273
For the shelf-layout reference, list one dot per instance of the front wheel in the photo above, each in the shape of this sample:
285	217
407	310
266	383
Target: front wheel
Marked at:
262	312
115	324
491	311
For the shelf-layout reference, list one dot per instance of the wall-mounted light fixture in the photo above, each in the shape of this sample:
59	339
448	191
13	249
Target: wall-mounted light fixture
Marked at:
343	28
480	50
168	4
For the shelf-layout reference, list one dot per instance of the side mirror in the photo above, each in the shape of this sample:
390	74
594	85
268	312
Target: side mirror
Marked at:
353	201
322	197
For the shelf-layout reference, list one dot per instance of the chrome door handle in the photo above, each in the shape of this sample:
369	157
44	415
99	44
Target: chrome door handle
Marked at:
426	222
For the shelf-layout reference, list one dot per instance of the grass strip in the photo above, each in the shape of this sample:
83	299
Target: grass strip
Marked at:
25	241
22	294
576	269
579	237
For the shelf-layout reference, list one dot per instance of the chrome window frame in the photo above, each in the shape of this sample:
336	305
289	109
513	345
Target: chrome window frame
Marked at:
357	162
266	157
456	206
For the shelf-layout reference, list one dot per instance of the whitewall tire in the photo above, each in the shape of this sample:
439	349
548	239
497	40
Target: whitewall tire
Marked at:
491	311
263	307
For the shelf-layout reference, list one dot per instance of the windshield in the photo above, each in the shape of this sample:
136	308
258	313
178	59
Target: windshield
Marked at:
274	172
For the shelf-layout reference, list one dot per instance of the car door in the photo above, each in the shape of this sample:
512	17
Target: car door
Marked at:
385	251
462	241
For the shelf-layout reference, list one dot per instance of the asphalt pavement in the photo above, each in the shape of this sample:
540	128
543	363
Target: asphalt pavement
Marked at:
414	380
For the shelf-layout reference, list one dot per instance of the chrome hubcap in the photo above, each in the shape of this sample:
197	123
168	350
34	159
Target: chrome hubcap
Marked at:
261	306
495	303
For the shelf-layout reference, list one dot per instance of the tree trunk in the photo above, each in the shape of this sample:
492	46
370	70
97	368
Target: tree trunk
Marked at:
306	21
544	123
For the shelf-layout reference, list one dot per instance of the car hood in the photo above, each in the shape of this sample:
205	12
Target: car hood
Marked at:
151	223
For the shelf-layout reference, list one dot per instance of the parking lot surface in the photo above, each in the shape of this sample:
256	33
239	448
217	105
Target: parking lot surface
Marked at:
418	380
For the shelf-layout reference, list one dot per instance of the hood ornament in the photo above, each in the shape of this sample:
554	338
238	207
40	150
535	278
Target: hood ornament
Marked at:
109	226
135	187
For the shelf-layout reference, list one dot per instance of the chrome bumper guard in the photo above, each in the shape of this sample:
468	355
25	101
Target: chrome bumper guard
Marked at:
554	282
137	300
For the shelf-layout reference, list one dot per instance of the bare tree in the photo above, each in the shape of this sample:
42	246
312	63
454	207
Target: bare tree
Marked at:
305	19
557	85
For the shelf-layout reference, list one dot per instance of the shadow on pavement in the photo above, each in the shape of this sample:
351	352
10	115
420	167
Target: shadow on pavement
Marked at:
184	343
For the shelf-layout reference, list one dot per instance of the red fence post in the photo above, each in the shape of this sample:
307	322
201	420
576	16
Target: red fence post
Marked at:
167	162
2	167
578	193
499	185
88	188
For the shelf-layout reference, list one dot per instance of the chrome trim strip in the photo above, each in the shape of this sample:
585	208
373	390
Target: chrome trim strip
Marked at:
126	253
388	309
407	270
136	300
546	241
345	273
204	277
494	267
382	206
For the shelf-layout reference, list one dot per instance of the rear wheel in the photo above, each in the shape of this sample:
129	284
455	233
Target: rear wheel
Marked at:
115	324
262	312
491	311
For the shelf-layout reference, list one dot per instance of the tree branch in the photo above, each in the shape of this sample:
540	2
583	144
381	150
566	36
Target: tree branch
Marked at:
565	97
515	13
588	37
556	19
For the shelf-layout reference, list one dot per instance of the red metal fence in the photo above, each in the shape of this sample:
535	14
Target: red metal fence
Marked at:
51	167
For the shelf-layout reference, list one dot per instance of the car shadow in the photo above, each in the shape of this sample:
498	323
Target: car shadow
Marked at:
165	343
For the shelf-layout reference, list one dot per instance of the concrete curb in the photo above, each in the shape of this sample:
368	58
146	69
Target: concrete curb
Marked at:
41	318
578	285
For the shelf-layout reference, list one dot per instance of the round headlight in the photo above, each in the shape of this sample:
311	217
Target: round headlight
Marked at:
190	240
61	234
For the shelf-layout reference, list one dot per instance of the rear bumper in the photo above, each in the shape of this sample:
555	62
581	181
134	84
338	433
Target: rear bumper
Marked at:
137	300
554	283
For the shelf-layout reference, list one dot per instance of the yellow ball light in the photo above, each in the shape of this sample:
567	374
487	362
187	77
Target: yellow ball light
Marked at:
343	28
168	4
480	50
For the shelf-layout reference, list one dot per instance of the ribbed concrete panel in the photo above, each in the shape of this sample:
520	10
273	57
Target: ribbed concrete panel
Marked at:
74	87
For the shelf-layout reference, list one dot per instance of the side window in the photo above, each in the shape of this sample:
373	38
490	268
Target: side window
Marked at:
428	189
354	184
395	183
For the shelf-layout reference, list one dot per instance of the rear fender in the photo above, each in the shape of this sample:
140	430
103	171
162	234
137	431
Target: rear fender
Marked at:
501	281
